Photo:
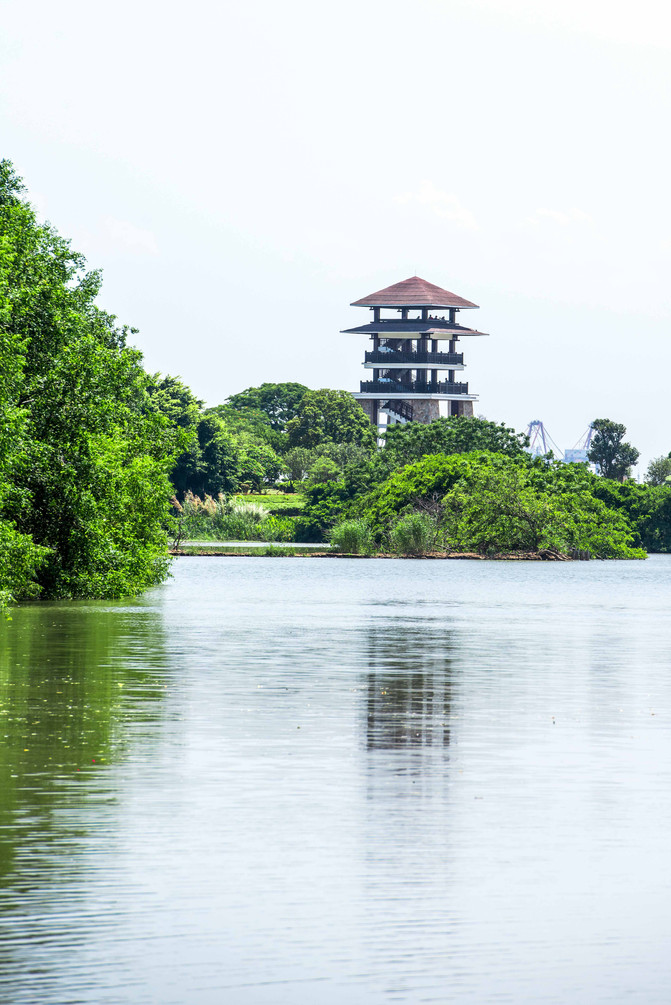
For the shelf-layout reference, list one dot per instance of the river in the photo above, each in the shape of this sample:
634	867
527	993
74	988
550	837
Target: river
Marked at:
294	780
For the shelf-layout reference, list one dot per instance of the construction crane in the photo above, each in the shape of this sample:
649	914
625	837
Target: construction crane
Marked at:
540	440
578	453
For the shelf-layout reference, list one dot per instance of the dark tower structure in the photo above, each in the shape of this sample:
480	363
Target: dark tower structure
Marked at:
412	348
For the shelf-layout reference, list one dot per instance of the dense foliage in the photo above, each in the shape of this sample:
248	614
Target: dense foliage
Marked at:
278	402
84	455
492	503
328	416
613	457
659	471
456	435
92	449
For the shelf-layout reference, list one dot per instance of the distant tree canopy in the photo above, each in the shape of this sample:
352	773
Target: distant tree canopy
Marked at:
659	471
84	453
613	457
491	502
455	435
327	416
278	401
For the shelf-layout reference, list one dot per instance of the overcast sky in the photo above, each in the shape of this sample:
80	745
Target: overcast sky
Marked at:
242	172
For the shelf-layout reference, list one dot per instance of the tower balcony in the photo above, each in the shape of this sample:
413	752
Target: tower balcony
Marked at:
411	360
411	389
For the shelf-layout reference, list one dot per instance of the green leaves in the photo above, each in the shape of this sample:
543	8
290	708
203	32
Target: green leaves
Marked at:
492	503
328	416
454	435
613	457
278	402
84	454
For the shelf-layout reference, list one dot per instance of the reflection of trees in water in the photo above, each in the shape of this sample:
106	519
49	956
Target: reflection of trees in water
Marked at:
408	685
72	676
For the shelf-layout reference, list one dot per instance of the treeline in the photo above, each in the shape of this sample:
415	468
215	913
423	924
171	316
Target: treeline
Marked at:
266	434
100	461
457	484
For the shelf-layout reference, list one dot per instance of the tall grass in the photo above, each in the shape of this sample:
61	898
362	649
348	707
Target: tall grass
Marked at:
352	537
414	534
224	519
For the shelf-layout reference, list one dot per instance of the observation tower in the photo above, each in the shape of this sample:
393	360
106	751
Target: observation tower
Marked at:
408	355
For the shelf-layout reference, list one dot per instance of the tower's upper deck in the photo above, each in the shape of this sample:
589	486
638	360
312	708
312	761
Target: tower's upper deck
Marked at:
414	293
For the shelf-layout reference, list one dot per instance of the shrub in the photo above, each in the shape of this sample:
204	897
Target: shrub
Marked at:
323	470
220	520
414	534
278	528
352	537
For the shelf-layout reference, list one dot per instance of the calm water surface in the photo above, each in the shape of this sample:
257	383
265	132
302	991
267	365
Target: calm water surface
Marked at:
308	781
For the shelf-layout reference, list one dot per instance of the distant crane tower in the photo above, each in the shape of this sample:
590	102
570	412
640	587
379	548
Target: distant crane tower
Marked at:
578	453
540	444
540	440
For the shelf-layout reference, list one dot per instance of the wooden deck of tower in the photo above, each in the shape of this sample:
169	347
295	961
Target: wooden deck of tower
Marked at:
409	354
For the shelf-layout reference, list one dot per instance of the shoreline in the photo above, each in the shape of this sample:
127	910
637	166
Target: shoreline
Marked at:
280	551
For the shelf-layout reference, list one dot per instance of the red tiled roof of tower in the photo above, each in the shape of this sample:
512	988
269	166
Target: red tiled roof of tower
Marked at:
413	292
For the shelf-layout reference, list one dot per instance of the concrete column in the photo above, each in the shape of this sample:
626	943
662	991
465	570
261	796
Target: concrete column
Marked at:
425	410
370	407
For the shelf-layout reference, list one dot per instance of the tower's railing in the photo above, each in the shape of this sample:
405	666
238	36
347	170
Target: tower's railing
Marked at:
412	358
395	389
400	408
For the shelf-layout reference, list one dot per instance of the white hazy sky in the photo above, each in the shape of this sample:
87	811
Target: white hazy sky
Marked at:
242	172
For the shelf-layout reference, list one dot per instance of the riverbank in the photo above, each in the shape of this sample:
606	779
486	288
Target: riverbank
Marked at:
221	549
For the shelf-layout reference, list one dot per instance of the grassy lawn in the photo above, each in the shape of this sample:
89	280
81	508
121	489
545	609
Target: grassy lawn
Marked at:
275	501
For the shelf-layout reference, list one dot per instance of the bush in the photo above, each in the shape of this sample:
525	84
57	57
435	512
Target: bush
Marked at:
414	534
220	520
278	528
323	470
352	537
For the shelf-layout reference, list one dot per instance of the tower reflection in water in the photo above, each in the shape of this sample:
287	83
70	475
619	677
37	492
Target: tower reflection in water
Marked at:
409	687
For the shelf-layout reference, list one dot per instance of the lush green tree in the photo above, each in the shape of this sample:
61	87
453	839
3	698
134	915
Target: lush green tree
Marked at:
248	423
408	442
494	503
647	507
279	402
182	410
259	464
220	461
659	471
324	470
501	509
613	457
328	416
247	419
84	474
326	505
298	461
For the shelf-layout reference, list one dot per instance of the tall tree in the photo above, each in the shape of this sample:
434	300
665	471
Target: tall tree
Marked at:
84	474
613	457
328	416
659	471
454	435
278	401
